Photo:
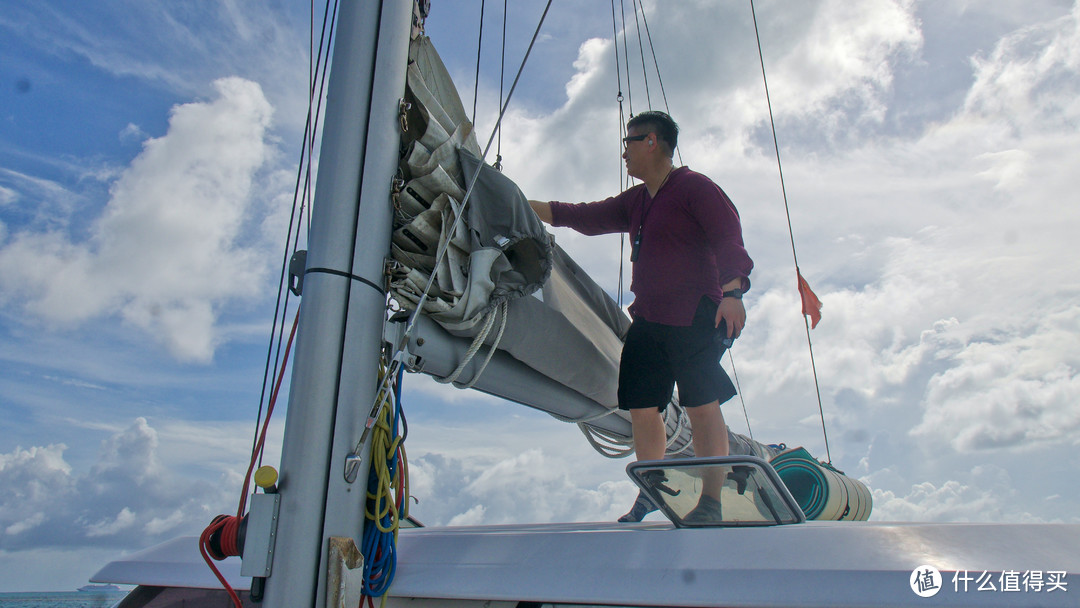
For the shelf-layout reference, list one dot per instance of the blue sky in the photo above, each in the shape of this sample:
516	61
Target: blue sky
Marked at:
146	161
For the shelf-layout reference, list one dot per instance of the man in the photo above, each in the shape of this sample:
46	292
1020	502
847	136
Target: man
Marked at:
690	269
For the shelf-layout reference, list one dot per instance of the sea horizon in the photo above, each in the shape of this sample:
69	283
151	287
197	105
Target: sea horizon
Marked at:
94	598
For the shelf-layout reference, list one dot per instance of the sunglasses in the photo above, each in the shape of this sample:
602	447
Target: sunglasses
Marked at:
630	138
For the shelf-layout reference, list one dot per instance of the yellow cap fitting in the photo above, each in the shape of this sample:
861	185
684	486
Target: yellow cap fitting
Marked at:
266	477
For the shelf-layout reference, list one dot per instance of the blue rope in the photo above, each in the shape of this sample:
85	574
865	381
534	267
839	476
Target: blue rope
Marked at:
379	544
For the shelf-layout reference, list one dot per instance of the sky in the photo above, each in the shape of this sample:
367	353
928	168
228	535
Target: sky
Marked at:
148	153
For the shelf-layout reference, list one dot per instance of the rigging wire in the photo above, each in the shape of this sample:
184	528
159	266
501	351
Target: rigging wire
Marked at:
738	389
659	76
622	123
626	59
502	74
300	200
641	50
479	46
791	233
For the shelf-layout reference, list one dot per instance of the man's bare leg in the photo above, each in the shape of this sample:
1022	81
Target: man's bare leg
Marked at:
649	433
650	437
710	439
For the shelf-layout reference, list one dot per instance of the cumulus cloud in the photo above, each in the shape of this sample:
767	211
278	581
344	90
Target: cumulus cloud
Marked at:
529	487
127	494
953	501
169	249
1008	389
1028	78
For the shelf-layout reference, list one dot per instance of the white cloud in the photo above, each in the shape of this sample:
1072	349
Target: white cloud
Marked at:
526	487
47	504
840	70
27	524
161	525
133	133
168	251
953	501
474	516
32	479
124	520
7	195
1009	389
1028	80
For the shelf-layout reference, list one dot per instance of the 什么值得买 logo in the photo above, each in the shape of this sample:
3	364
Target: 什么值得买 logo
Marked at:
925	581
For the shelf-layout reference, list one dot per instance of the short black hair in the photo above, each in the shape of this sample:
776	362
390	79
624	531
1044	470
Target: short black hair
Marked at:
659	123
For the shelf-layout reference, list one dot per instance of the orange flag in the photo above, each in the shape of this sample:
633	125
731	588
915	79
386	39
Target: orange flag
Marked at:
811	305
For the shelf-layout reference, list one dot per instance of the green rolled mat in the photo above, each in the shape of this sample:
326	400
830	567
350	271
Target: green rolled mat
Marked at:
822	491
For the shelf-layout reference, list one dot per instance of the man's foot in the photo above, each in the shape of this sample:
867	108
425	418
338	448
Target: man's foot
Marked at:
706	511
642	507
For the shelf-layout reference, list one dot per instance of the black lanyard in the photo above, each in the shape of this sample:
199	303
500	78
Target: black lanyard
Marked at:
635	245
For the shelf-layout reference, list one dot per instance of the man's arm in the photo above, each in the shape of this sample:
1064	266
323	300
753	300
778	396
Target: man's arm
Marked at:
601	217
542	210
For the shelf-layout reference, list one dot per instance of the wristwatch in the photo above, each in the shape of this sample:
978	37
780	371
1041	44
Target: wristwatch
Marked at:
734	293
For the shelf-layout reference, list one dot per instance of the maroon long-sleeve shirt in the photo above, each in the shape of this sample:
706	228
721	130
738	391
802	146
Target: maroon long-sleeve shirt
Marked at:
691	242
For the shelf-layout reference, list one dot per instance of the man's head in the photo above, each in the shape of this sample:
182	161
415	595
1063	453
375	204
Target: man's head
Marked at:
660	124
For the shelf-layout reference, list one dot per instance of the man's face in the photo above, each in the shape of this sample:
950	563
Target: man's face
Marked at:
634	150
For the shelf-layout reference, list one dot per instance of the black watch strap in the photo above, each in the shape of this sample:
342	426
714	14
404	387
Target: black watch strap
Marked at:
734	293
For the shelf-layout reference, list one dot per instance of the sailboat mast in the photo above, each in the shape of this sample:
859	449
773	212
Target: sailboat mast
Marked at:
336	363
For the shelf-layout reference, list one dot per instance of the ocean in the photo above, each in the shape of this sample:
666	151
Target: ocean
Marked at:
65	599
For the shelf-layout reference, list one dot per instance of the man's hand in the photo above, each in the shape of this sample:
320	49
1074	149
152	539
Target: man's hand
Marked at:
731	310
542	210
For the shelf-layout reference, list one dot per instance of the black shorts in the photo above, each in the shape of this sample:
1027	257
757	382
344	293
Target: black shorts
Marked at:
656	357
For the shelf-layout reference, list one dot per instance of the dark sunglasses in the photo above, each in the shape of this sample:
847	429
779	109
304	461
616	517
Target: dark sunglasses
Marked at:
630	138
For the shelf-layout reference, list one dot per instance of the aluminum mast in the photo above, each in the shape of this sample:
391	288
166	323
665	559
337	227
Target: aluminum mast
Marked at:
337	350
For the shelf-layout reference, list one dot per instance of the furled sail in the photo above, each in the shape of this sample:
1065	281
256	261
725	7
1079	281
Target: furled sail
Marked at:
494	276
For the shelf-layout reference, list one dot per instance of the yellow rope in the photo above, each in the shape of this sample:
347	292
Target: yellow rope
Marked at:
383	446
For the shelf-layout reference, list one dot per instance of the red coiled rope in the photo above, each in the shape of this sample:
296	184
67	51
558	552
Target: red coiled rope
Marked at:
227	527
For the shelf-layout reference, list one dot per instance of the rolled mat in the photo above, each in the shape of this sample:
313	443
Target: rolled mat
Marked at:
822	491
